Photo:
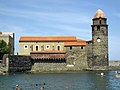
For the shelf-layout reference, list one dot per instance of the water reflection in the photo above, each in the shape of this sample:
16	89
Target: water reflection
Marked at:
61	81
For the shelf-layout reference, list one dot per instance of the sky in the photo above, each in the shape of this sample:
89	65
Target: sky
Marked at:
60	18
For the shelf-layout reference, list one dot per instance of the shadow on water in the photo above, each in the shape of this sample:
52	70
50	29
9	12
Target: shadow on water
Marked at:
84	80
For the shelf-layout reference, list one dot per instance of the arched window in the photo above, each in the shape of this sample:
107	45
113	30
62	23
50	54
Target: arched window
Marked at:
58	47
98	28
100	21
36	48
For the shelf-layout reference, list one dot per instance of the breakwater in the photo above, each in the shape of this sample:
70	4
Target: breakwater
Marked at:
17	63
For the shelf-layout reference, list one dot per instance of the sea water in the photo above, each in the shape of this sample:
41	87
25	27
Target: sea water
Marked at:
85	80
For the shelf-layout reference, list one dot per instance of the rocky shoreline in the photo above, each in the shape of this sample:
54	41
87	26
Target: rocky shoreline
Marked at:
4	72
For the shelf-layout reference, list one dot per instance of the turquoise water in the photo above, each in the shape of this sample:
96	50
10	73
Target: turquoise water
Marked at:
61	81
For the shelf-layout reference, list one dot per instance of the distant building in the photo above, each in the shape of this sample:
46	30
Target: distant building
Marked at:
8	37
74	52
114	63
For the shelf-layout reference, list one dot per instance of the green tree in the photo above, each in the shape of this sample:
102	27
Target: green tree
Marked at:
8	48
4	48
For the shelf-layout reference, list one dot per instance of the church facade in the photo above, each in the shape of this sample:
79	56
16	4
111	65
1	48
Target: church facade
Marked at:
69	51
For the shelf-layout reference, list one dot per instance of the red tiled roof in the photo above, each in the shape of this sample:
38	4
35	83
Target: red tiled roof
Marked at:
48	51
47	38
75	43
79	42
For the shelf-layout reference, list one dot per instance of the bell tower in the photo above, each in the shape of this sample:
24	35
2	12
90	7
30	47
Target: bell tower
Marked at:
100	39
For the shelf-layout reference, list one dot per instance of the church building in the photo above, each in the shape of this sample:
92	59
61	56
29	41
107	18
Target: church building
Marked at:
70	51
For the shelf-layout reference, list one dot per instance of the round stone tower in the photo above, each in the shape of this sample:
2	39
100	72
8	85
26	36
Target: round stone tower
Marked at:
100	39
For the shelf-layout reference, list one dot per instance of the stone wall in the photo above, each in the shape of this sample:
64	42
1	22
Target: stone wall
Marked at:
31	47
53	67
89	53
19	63
77	56
76	60
48	67
100	42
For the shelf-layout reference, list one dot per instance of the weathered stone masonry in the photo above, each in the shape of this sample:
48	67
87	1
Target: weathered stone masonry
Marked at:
100	41
19	63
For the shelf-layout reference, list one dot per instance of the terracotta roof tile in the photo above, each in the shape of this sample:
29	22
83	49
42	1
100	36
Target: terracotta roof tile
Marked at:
78	43
80	40
47	38
48	51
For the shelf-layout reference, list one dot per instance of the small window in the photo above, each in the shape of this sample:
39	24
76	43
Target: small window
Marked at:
100	21
70	47
81	47
58	48
25	46
98	28
36	48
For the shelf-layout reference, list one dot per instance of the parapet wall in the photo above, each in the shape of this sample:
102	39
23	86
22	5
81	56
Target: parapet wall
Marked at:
53	67
48	67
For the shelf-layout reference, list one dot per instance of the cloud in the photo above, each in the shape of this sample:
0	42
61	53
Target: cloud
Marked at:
114	47
44	17
47	16
11	28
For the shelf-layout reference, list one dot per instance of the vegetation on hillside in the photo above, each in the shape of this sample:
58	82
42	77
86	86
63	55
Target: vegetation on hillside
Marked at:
4	48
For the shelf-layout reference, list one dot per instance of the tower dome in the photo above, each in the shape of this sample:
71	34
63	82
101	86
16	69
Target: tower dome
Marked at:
99	13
